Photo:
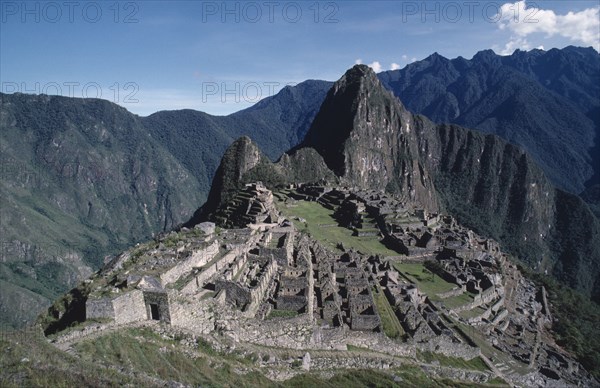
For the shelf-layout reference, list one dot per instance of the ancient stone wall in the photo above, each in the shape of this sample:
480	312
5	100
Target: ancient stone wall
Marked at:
291	302
206	274
364	322
99	308
258	292
498	304
130	307
234	293
499	317
486	296
192	315
443	345
394	297
294	333
310	294
237	265
454	292
485	315
198	258
279	254
288	245
202	278
378	342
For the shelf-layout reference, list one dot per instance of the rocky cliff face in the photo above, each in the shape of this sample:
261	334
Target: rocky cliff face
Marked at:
242	156
198	140
545	101
495	188
243	162
368	139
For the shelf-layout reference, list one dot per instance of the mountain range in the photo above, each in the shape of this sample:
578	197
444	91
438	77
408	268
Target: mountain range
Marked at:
84	178
367	139
545	101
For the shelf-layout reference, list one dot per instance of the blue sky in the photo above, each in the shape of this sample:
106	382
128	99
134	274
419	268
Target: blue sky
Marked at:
220	57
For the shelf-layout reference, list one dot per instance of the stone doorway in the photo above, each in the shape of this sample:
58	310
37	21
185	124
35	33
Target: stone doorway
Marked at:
157	306
154	312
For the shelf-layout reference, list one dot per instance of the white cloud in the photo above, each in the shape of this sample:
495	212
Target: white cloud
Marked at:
513	44
394	66
376	66
358	61
521	20
405	57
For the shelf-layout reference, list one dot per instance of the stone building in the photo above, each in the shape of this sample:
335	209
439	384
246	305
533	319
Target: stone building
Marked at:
157	306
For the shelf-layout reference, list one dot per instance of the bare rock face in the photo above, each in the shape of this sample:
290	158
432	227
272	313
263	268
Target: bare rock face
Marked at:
242	156
244	163
367	137
363	137
369	140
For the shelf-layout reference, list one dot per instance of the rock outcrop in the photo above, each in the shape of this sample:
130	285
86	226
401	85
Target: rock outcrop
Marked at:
368	138
365	138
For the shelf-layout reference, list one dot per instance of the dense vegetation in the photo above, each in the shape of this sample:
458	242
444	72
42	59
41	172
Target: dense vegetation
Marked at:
82	179
545	101
575	323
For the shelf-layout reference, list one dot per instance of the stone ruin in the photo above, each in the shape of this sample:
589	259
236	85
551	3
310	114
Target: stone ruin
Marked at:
252	205
271	285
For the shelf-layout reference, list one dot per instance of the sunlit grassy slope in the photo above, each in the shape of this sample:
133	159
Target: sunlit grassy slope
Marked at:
322	226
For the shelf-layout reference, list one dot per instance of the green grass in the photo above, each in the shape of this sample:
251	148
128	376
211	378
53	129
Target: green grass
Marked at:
467	314
454	362
28	360
497	382
128	357
152	355
316	215
359	378
457	301
426	282
353	348
389	321
282	314
481	341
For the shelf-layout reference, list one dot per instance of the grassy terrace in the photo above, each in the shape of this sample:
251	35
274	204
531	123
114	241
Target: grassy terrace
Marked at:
282	314
427	282
467	314
389	321
142	358
454	362
459	300
140	350
318	223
